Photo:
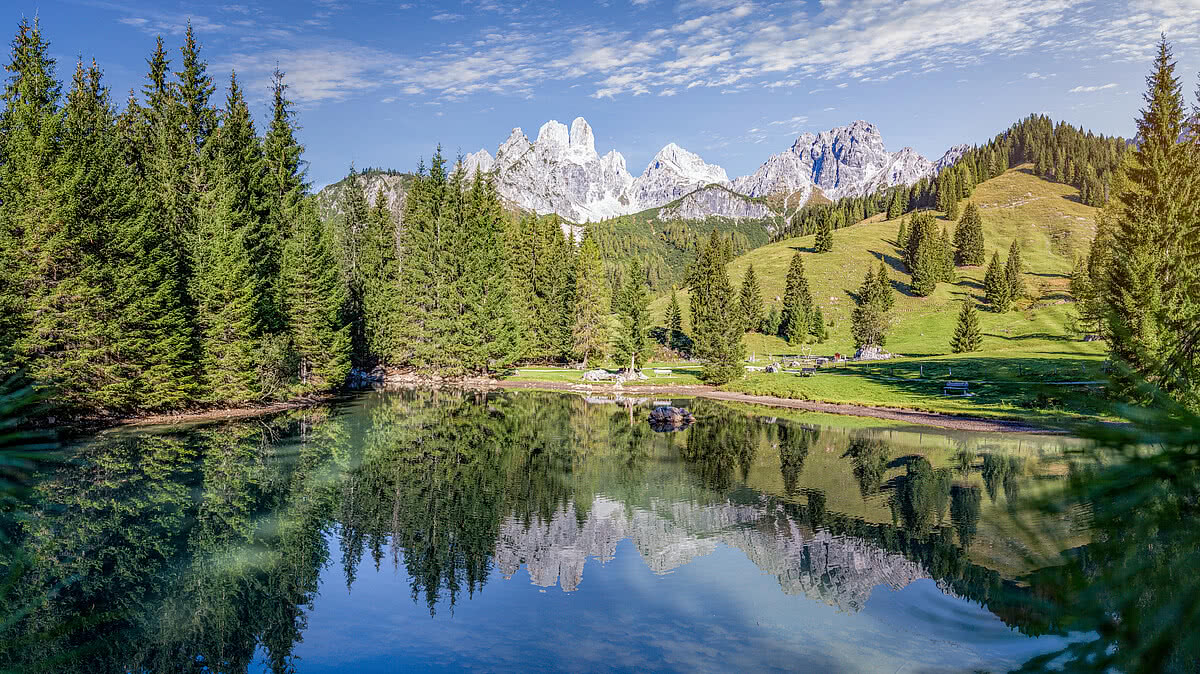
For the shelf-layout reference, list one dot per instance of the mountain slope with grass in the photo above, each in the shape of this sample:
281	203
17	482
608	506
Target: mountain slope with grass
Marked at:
1052	224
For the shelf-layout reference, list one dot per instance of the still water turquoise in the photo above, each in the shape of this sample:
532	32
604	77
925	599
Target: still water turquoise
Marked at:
424	531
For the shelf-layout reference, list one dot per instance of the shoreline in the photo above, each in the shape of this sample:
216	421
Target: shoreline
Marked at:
935	419
218	414
916	417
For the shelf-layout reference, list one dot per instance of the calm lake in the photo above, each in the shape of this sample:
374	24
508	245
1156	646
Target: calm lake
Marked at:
533	531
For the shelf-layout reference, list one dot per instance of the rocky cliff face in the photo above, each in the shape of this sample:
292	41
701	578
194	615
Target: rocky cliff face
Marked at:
561	172
845	161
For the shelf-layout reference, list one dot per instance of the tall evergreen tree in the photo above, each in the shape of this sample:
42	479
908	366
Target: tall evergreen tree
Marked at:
236	154
591	303
675	334
902	234
968	237
925	255
887	298
996	285
485	322
225	291
897	204
380	266
716	316
632	347
967	336
283	189
751	301
797	304
1151	287
314	302
945	257
869	321
356	213
1014	268
824	239
29	149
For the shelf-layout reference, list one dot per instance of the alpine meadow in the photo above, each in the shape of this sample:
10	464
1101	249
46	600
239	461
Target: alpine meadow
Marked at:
827	405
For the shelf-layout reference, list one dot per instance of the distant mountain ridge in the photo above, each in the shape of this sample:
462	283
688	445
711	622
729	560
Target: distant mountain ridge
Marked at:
561	172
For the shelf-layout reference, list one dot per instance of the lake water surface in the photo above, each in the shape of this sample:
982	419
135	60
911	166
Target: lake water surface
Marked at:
532	531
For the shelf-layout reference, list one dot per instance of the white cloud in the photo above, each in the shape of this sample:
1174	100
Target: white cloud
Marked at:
446	16
1101	87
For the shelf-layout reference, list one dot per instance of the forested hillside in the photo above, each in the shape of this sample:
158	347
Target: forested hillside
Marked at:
1053	230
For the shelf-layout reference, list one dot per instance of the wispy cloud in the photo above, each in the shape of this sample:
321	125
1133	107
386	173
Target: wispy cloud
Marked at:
1099	87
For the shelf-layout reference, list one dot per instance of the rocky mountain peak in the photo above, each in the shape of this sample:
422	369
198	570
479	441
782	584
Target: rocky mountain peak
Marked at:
583	141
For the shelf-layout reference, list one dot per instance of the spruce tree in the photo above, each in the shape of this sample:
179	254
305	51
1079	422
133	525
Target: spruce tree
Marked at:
797	304
996	285
349	243
29	148
236	154
1151	287
632	347
421	287
824	239
926	255
887	298
968	238
896	206
225	299
1013	270
946	257
590	332
902	234
674	316
817	328
380	266
967	336
751	301
716	316
869	322
485	322
283	189
314	300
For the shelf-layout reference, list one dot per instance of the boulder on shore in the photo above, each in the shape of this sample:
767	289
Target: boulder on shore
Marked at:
871	352
599	375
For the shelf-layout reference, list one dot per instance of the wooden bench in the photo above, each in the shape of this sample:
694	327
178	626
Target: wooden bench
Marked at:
956	388
807	371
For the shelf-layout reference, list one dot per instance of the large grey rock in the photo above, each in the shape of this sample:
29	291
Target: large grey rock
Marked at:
871	352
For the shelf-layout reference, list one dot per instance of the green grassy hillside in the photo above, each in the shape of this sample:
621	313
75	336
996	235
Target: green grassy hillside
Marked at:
1048	218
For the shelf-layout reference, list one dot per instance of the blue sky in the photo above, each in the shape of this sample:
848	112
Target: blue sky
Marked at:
380	83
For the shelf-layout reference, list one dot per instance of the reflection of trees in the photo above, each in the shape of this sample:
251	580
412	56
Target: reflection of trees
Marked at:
1002	471
205	545
966	503
794	442
869	457
171	535
921	495
718	444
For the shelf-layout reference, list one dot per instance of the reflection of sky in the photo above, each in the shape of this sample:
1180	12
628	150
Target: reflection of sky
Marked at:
718	612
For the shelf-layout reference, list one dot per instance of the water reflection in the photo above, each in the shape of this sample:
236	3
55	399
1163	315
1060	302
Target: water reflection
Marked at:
209	547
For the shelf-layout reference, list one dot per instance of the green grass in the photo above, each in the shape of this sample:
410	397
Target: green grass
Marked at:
1047	217
1023	350
681	375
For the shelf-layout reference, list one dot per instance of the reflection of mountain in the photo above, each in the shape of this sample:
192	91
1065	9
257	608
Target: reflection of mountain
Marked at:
838	570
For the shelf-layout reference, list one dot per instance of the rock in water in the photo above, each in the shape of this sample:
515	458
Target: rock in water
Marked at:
667	418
